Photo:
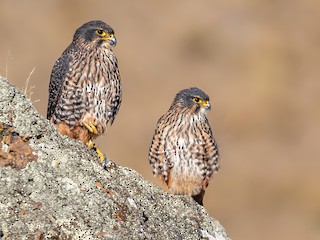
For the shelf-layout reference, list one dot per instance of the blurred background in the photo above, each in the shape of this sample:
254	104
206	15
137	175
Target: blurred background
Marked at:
257	60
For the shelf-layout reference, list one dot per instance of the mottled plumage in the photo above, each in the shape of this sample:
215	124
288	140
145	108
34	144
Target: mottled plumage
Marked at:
85	88
183	152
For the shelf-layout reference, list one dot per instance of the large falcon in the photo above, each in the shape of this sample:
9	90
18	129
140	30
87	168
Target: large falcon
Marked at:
85	88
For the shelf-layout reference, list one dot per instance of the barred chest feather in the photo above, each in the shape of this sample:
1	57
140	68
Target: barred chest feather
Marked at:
92	90
189	168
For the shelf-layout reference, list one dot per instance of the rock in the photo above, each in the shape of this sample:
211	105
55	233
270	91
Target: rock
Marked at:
53	187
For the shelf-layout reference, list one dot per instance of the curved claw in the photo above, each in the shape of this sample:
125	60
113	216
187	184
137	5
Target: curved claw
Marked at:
90	126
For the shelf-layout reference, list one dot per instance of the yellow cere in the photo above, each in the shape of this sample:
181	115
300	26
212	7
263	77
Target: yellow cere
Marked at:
205	103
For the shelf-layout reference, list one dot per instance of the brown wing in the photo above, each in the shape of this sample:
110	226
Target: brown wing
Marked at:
161	150
58	74
209	150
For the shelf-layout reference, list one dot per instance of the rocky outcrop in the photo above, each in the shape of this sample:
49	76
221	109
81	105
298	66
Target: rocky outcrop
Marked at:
53	187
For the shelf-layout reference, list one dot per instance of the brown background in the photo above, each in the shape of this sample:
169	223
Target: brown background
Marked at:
258	61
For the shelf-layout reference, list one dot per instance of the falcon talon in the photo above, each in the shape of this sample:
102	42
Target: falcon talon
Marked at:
91	127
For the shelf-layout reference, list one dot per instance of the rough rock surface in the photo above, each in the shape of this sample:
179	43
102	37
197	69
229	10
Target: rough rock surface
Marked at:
62	192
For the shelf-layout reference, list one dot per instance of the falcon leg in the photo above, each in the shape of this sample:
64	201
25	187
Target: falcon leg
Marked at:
91	127
90	144
101	156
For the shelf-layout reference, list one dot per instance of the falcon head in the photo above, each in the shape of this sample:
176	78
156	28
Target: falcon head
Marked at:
193	99
95	34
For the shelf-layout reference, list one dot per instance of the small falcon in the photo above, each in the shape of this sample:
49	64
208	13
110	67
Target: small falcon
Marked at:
183	152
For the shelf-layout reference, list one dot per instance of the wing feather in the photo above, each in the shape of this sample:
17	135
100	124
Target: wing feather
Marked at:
57	78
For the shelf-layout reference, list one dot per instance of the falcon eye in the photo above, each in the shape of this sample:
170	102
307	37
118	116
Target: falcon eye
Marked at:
101	33
196	100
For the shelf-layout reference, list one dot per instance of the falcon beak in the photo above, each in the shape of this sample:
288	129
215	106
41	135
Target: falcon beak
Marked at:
206	104
112	40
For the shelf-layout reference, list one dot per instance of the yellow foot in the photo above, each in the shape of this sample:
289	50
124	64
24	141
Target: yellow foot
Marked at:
90	126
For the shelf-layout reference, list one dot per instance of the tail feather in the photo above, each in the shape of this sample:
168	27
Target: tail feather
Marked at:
199	197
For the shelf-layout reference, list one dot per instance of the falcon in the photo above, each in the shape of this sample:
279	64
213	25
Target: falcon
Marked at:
85	88
183	152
